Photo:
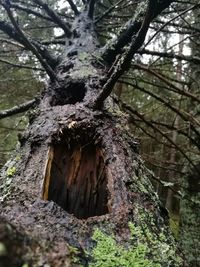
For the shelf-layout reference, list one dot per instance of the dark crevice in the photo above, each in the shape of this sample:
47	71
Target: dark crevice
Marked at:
71	94
78	180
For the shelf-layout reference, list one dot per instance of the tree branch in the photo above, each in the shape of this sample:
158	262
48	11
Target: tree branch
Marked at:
168	22
195	60
73	7
170	127
13	34
19	65
147	132
189	27
123	63
108	11
54	17
184	115
17	109
11	42
28	44
91	8
30	11
134	111
166	81
131	28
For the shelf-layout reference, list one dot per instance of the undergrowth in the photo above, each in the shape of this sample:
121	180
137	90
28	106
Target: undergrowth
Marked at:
108	253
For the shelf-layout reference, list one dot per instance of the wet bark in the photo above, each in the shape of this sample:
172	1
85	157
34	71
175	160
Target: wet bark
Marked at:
77	168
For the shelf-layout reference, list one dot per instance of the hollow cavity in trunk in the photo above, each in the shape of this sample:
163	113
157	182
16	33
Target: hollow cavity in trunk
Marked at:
76	179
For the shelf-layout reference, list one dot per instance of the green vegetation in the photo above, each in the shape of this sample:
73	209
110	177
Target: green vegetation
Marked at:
11	171
3	250
174	221
74	254
107	253
142	250
189	237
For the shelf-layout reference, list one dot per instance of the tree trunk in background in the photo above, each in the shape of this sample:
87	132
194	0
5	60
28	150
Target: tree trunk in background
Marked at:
170	194
190	203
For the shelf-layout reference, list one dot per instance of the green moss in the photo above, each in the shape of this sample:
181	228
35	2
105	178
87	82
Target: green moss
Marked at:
83	73
174	220
3	250
144	250
162	246
17	158
84	56
108	253
74	252
8	177
11	171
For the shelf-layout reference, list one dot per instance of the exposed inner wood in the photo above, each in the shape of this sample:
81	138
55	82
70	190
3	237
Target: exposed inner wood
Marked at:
77	180
47	173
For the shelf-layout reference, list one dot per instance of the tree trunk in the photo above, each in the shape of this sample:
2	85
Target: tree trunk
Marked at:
170	200
77	168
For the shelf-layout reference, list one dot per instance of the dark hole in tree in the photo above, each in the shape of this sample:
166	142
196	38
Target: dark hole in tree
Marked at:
70	94
78	180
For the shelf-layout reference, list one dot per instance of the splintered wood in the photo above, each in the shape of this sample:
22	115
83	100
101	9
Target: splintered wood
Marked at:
76	180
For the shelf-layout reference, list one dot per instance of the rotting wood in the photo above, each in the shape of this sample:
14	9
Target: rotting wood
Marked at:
76	180
47	173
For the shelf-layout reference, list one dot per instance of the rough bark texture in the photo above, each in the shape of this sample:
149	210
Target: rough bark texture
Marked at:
117	179
77	169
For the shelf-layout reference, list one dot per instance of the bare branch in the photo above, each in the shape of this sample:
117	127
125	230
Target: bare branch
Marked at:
134	111
122	64
73	7
17	109
30	11
147	132
162	183
11	42
12	33
166	80
20	65
189	27
170	127
168	22
91	8
184	115
54	17
195	60
107	12
130	29
28	44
